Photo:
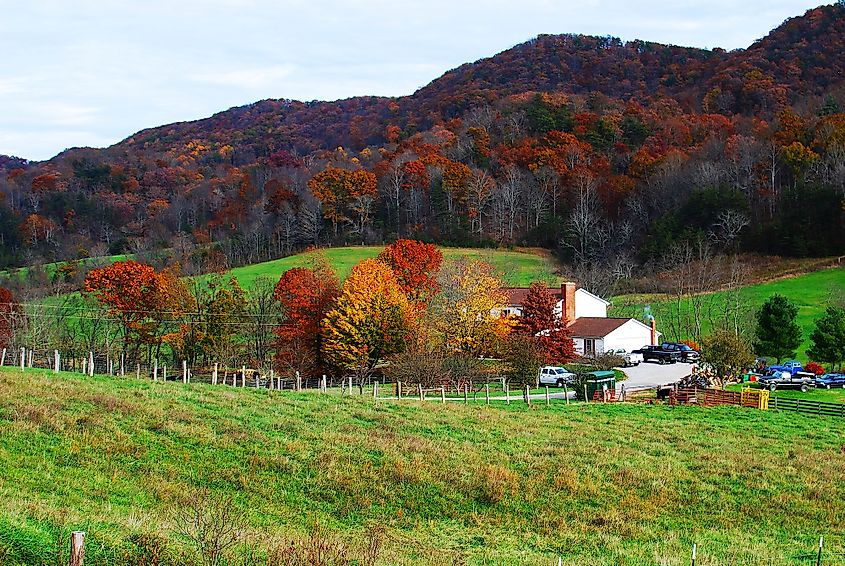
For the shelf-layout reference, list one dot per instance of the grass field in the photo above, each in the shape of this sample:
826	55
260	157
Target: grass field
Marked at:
811	293
439	484
516	268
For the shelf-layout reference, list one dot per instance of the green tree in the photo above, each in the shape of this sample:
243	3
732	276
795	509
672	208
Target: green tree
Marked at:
523	357
828	337
777	334
728	353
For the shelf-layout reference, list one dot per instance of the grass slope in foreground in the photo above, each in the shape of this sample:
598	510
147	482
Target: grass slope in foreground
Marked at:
451	484
811	293
516	268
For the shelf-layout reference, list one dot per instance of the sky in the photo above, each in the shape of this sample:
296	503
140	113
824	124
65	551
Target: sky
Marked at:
93	72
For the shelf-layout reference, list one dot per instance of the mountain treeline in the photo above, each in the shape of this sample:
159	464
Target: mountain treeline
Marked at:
611	153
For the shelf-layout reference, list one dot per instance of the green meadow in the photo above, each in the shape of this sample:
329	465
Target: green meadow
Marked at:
359	481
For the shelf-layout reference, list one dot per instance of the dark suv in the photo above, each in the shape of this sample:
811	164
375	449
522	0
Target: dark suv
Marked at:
687	354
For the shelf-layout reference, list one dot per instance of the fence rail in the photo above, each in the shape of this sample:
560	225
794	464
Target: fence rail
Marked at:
807	406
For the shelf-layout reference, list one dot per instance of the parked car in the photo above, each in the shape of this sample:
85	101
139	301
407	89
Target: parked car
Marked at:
687	354
791	366
784	379
658	354
829	380
631	358
556	375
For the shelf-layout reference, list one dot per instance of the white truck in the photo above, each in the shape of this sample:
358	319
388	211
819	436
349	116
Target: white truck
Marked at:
631	358
556	375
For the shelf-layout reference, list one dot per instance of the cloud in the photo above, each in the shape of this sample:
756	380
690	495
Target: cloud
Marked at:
254	79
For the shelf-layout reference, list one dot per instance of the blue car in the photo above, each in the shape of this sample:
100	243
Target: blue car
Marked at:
829	380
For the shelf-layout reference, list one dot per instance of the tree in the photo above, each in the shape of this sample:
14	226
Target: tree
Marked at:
371	320
466	311
415	266
828	337
777	334
728	353
540	321
8	308
141	299
305	295
338	189
523	357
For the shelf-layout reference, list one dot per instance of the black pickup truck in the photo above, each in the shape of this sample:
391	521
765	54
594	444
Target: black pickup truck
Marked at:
659	355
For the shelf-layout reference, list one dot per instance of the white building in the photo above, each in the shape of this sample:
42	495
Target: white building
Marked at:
586	315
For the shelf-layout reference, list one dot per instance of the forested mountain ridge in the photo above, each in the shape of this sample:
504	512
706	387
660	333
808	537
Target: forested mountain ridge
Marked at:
612	153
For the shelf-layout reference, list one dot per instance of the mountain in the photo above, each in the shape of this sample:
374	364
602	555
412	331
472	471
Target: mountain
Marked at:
655	144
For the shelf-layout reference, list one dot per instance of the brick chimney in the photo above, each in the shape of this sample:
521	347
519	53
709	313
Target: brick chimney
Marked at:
653	332
567	295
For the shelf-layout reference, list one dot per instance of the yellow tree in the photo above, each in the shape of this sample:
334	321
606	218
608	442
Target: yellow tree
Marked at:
467	311
338	189
371	320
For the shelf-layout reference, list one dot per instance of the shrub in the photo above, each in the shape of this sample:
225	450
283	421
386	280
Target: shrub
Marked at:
814	367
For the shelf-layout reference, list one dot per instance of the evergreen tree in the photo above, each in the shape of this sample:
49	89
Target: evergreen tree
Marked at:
777	334
828	337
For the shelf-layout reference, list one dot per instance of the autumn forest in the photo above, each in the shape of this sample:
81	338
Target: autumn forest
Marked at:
611	154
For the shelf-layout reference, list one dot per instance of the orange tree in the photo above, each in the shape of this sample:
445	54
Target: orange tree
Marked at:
415	265
338	188
305	295
372	319
140	299
8	309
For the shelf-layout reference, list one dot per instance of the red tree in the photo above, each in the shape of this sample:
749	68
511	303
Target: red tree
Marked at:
415	265
540	321
306	295
8	308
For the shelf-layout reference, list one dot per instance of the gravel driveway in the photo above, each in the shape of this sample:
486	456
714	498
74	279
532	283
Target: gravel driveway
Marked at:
651	374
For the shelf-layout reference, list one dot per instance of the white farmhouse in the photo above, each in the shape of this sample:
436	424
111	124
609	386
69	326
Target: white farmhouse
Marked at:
586	315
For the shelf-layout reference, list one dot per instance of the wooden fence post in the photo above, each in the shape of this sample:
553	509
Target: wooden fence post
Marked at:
77	548
527	395
84	366
122	360
91	364
138	371
155	370
184	371
442	394
257	378
243	377
111	366
350	386
466	393
375	389
694	548
585	394
548	400
3	358
214	374
487	393
29	360
324	385
508	394
23	358
298	381
164	373
57	360
422	393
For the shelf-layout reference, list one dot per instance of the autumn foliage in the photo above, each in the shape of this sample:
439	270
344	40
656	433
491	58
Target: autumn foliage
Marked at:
415	266
8	308
371	319
540	321
306	296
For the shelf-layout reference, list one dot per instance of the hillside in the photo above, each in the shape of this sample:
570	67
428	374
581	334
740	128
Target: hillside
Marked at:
594	484
516	269
810	292
656	145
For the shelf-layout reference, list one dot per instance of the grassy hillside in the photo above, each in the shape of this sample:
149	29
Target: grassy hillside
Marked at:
516	268
449	484
811	293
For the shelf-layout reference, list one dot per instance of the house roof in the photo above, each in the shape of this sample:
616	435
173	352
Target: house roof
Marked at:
516	295
596	297
595	326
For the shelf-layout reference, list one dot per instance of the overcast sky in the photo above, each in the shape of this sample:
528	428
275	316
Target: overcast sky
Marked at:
93	72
